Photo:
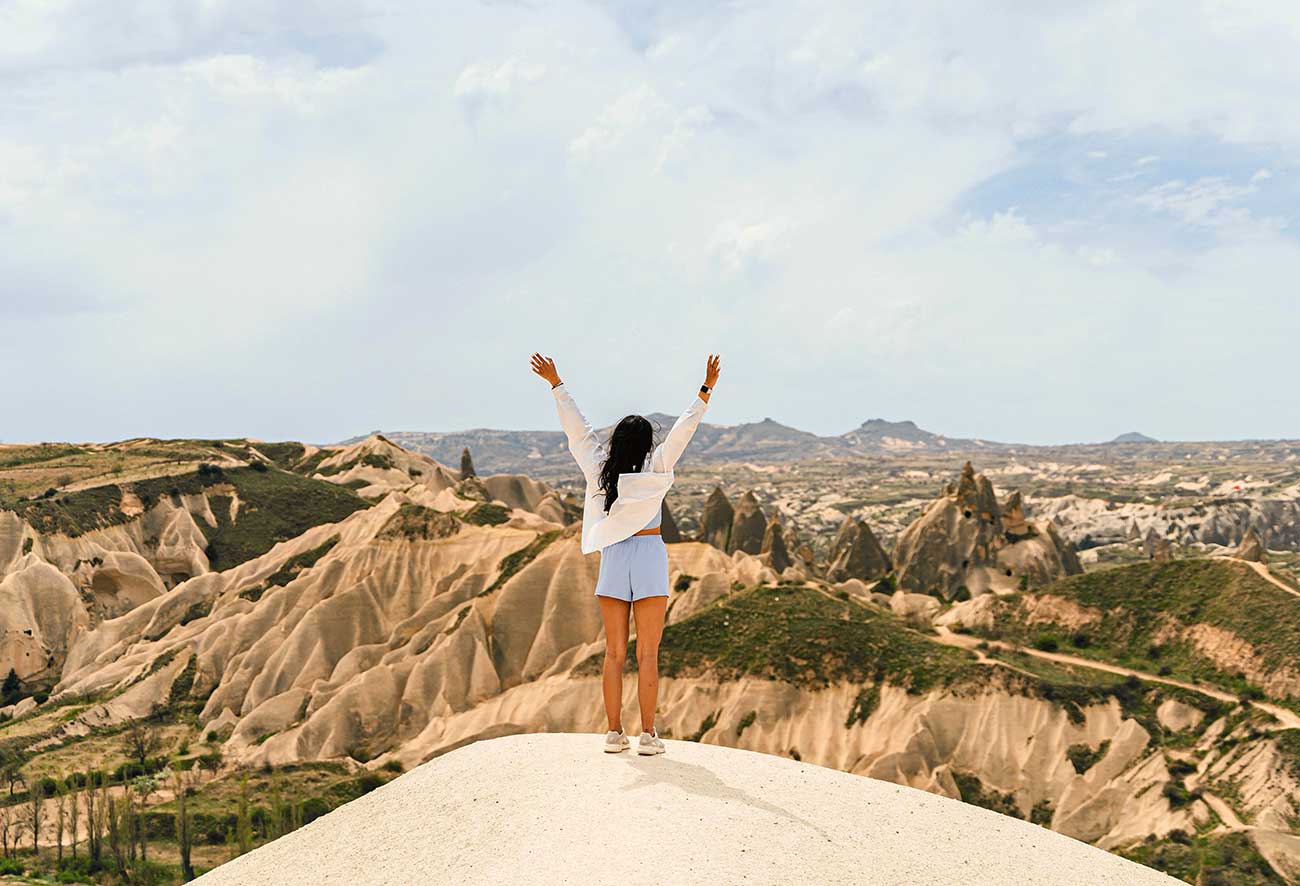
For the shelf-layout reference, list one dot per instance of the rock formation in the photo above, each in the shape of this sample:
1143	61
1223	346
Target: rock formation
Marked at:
715	523
500	796
856	553
668	530
466	465
747	526
1157	547
41	616
774	546
963	544
1251	548
426	621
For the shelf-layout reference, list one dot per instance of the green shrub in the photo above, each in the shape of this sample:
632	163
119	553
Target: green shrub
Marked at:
683	582
863	705
313	808
1177	795
376	460
745	722
974	792
1047	643
487	513
211	475
1083	757
1042	813
11	867
709	722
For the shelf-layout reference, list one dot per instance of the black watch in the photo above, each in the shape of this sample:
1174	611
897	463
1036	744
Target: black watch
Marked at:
704	389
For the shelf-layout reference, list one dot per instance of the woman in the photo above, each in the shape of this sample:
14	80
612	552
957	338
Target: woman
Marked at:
626	485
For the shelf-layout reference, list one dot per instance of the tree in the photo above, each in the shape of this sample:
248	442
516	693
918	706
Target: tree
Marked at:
6	827
35	811
17	828
73	823
184	837
117	814
244	819
210	762
61	795
142	742
11	770
92	836
144	787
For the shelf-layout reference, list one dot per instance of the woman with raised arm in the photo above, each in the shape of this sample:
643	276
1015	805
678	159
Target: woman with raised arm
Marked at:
627	478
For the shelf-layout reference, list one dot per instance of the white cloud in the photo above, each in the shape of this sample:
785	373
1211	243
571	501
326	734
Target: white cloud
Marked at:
483	85
1207	202
370	202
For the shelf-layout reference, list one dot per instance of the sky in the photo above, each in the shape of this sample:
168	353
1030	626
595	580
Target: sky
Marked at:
310	219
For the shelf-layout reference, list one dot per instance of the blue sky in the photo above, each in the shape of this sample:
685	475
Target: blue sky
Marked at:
1037	222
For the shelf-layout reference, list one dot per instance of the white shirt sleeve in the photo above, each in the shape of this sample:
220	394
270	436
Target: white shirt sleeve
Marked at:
666	453
586	449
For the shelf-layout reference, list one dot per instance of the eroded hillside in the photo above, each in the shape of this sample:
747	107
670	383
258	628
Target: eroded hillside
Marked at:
295	626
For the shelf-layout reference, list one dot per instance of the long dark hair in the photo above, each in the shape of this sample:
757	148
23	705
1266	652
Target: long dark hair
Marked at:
629	443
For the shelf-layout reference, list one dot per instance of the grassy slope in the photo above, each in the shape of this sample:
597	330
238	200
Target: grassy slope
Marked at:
275	505
800	636
1136	601
1209	860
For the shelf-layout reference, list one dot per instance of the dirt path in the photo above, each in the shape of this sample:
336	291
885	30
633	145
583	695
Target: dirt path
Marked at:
1269	577
1288	719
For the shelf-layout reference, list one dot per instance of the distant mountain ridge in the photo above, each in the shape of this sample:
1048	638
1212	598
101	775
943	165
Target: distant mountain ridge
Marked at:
535	452
1134	437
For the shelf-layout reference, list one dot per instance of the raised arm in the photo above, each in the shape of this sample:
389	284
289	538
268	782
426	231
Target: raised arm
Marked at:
583	444
668	452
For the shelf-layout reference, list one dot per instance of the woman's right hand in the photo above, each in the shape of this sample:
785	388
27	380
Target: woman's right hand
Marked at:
545	367
711	370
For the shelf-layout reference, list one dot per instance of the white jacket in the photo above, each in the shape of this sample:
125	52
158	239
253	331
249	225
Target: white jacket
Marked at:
640	495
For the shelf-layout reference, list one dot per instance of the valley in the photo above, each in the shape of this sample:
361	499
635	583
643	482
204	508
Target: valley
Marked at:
218	641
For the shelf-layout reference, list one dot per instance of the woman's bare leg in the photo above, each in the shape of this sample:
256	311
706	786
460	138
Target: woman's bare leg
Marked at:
614	613
649	615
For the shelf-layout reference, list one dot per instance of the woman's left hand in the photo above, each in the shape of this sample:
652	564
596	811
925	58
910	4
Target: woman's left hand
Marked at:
711	370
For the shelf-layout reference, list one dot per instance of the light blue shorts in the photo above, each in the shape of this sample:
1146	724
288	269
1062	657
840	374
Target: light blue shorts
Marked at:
634	568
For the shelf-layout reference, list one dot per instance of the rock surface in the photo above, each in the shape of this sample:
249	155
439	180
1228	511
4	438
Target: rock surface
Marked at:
1251	548
536	809
774	546
668	526
715	524
748	526
856	553
964	543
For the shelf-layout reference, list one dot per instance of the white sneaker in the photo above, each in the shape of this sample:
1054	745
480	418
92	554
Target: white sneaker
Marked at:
650	743
616	741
